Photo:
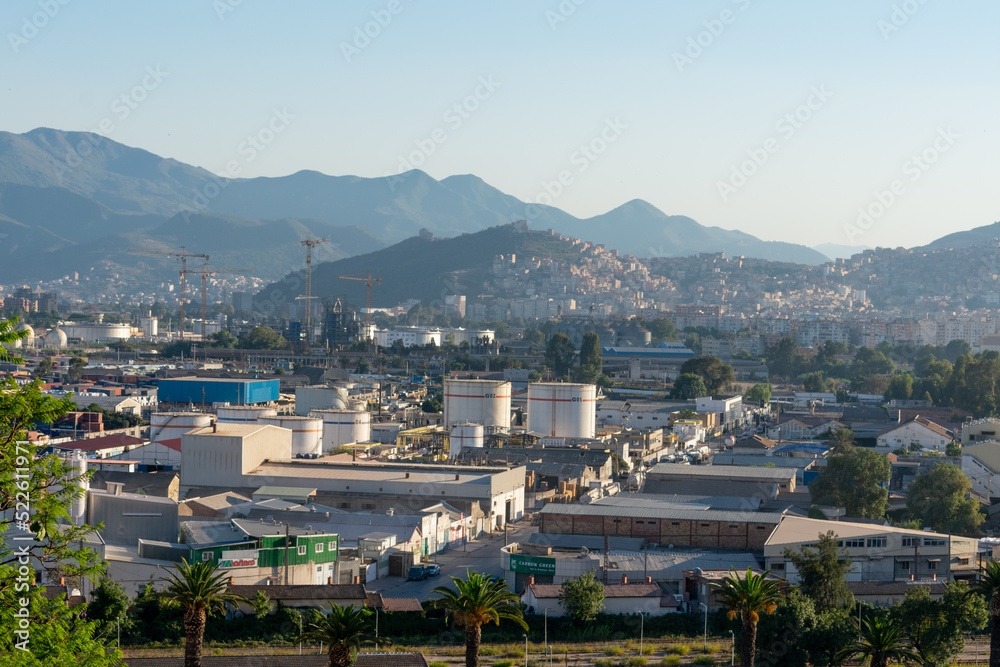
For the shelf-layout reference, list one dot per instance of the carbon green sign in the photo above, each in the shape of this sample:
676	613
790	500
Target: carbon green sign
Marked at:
532	564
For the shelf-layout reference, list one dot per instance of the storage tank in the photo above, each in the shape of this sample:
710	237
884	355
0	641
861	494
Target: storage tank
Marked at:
562	410
150	325
344	427
464	436
307	433
172	425
485	402
320	397
243	414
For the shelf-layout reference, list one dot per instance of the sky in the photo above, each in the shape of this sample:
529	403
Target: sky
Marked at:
858	122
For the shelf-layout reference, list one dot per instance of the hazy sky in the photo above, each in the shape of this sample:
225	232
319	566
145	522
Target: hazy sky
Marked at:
779	118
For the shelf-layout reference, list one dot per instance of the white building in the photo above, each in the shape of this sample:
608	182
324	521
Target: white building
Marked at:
917	431
981	464
729	409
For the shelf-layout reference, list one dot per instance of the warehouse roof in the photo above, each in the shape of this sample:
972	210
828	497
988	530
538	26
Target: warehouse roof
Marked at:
728	472
762	460
674	500
312	470
661	513
795	530
592	542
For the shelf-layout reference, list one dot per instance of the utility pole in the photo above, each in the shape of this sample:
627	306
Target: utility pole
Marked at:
308	297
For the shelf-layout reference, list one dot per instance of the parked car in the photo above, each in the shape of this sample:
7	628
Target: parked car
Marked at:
433	570
417	573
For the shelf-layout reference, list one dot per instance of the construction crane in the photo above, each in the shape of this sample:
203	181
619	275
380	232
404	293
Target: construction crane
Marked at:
183	254
309	284
205	272
368	303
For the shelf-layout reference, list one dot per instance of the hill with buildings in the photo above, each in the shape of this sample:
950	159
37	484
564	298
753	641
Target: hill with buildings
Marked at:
965	238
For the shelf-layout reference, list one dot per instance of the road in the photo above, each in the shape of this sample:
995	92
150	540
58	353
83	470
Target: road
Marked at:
482	555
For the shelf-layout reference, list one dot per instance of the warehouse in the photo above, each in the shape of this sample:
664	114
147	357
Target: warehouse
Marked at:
719	480
666	525
208	392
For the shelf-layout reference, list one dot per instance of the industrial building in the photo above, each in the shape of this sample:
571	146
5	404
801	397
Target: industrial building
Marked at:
207	392
719	480
485	402
129	517
667	525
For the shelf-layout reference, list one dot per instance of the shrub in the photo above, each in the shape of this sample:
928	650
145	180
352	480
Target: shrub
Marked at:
604	662
614	650
637	662
704	660
647	650
437	664
504	663
683	649
670	660
712	649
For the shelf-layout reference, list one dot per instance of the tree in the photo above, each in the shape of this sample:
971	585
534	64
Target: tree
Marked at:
880	640
938	498
57	636
759	393
661	329
108	608
201	590
341	629
590	358
784	359
688	386
76	366
823	570
559	354
989	587
747	597
855	480
936	628
263	338
953	449
475	601
224	340
44	368
583	597
900	387
716	374
261	604
842	440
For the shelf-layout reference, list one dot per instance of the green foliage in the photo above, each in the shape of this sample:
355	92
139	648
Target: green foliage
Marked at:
937	498
108	608
936	628
590	359
341	630
823	569
560	354
716	375
688	386
881	640
758	393
953	449
841	440
747	598
900	387
76	366
44	368
583	597
855	480
262	338
223	339
261	604
784	359
660	330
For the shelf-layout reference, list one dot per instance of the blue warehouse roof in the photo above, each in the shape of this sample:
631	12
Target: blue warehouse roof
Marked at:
235	391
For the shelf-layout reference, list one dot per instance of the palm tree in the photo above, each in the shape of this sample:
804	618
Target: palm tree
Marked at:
747	597
342	629
687	413
881	640
842	440
201	590
478	600
989	588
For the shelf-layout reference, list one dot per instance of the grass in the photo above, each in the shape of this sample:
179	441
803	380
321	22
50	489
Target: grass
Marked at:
670	660
437	664
647	650
637	662
504	663
614	650
604	662
704	660
683	649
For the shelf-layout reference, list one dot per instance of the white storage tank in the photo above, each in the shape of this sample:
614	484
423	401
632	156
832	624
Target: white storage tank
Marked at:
562	410
78	473
172	425
150	326
320	397
307	433
344	427
485	402
464	436
243	414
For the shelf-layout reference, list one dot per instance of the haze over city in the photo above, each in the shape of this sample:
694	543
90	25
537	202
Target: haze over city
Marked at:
780	119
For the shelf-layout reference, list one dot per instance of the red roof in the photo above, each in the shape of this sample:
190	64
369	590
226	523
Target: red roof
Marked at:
104	442
173	443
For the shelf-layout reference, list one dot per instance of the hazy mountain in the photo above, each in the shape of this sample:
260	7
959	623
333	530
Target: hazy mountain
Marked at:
966	238
837	251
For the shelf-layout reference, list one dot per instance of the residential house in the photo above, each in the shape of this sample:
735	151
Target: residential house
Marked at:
918	433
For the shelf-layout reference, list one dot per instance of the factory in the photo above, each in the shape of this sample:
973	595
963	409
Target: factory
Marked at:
208	392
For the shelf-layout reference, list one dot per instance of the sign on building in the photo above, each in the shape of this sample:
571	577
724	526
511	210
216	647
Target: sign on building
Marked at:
235	559
532	564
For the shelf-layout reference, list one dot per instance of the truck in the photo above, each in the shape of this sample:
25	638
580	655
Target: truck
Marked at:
417	573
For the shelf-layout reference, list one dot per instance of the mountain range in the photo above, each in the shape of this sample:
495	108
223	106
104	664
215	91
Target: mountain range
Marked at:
73	201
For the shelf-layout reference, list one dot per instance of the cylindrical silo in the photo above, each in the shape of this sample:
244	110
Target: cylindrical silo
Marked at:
344	427
464	436
307	432
172	425
562	410
243	414
485	402
320	397
78	476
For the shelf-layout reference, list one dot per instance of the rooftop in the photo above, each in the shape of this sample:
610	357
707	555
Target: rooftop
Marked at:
723	472
103	442
309	470
661	513
796	530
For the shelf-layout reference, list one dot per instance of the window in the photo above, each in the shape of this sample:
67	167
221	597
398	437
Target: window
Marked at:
675	523
206	555
932	565
368	506
319	547
331	546
640	522
909	541
930	542
876	542
904	566
302	550
778	566
705	525
854	544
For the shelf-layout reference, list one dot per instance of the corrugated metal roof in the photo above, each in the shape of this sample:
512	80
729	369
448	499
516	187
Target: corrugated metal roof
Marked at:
672	500
663	513
749	472
303	470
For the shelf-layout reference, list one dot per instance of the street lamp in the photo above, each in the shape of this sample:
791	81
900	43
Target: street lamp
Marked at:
545	640
642	618
525	650
704	608
732	648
